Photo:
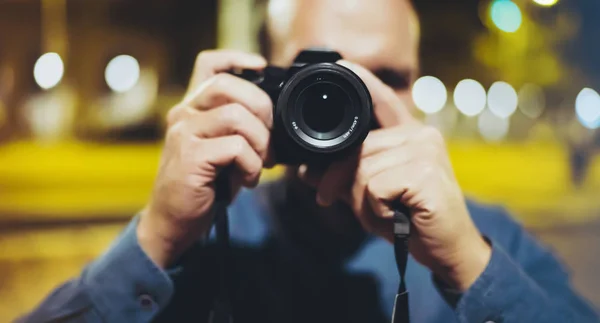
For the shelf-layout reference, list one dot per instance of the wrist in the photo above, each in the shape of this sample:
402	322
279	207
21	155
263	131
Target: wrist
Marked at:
163	241
470	261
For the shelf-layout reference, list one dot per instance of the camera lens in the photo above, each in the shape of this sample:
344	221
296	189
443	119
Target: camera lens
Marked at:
323	107
323	112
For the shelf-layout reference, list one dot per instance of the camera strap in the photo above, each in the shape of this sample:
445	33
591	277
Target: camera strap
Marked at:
221	311
400	313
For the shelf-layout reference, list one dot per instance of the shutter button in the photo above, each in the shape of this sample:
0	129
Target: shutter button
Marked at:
146	301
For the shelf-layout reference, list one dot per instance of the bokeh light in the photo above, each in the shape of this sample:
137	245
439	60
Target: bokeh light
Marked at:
469	97
531	100
506	15
502	99
546	3
122	73
48	70
429	94
587	108
491	127
445	120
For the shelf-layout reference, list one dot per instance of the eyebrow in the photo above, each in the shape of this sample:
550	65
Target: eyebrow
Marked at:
398	79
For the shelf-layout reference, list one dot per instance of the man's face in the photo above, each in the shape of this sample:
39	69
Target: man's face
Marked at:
381	35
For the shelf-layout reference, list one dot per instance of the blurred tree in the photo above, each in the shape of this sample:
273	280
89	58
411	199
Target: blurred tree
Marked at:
532	53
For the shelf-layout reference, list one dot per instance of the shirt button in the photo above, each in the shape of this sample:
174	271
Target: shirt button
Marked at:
146	302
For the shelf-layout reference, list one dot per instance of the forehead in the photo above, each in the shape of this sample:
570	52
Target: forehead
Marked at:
373	33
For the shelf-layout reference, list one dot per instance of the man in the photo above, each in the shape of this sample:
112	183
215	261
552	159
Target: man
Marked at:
315	247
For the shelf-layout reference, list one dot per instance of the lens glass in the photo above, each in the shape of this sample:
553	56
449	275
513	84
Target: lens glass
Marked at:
323	107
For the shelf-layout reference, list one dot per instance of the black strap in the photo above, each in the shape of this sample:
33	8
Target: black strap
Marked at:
401	236
221	311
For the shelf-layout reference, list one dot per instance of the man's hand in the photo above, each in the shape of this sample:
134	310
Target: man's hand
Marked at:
407	161
222	120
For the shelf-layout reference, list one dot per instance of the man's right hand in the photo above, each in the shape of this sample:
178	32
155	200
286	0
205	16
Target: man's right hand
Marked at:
222	120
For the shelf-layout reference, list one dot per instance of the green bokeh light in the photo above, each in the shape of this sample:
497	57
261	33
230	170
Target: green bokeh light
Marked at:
506	15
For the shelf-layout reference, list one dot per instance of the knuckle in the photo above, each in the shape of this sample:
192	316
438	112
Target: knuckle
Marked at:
175	133
232	115
237	145
256	168
432	134
203	57
173	115
221	81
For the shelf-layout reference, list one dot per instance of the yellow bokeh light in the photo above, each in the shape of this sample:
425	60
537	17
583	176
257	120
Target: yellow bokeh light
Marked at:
546	3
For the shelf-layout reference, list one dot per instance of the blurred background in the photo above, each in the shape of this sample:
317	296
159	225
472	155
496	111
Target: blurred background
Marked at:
84	87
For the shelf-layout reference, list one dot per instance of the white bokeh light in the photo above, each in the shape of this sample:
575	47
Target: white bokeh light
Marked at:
491	127
122	73
48	70
469	97
531	100
587	108
429	94
502	99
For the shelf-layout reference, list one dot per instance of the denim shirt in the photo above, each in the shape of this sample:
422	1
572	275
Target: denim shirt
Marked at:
284	269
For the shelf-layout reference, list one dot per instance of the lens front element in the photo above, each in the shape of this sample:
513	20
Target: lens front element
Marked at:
323	108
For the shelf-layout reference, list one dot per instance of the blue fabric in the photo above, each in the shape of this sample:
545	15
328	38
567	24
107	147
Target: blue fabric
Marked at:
287	271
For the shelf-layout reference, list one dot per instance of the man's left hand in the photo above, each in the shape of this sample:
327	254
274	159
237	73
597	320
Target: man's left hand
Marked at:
407	162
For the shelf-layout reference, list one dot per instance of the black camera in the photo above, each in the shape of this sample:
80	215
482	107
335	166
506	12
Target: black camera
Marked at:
322	110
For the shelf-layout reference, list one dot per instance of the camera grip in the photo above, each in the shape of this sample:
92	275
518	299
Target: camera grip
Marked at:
254	76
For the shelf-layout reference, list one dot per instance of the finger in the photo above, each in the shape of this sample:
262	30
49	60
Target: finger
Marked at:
386	187
388	108
401	184
223	151
222	89
373	165
369	168
369	220
383	139
210	62
336	180
231	119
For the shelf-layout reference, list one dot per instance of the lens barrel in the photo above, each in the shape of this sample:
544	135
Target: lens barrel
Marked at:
326	111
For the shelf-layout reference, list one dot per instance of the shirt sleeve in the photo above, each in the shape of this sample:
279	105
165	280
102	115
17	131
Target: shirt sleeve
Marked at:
123	285
523	282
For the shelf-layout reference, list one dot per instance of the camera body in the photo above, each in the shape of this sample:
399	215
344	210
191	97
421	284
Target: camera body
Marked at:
322	111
